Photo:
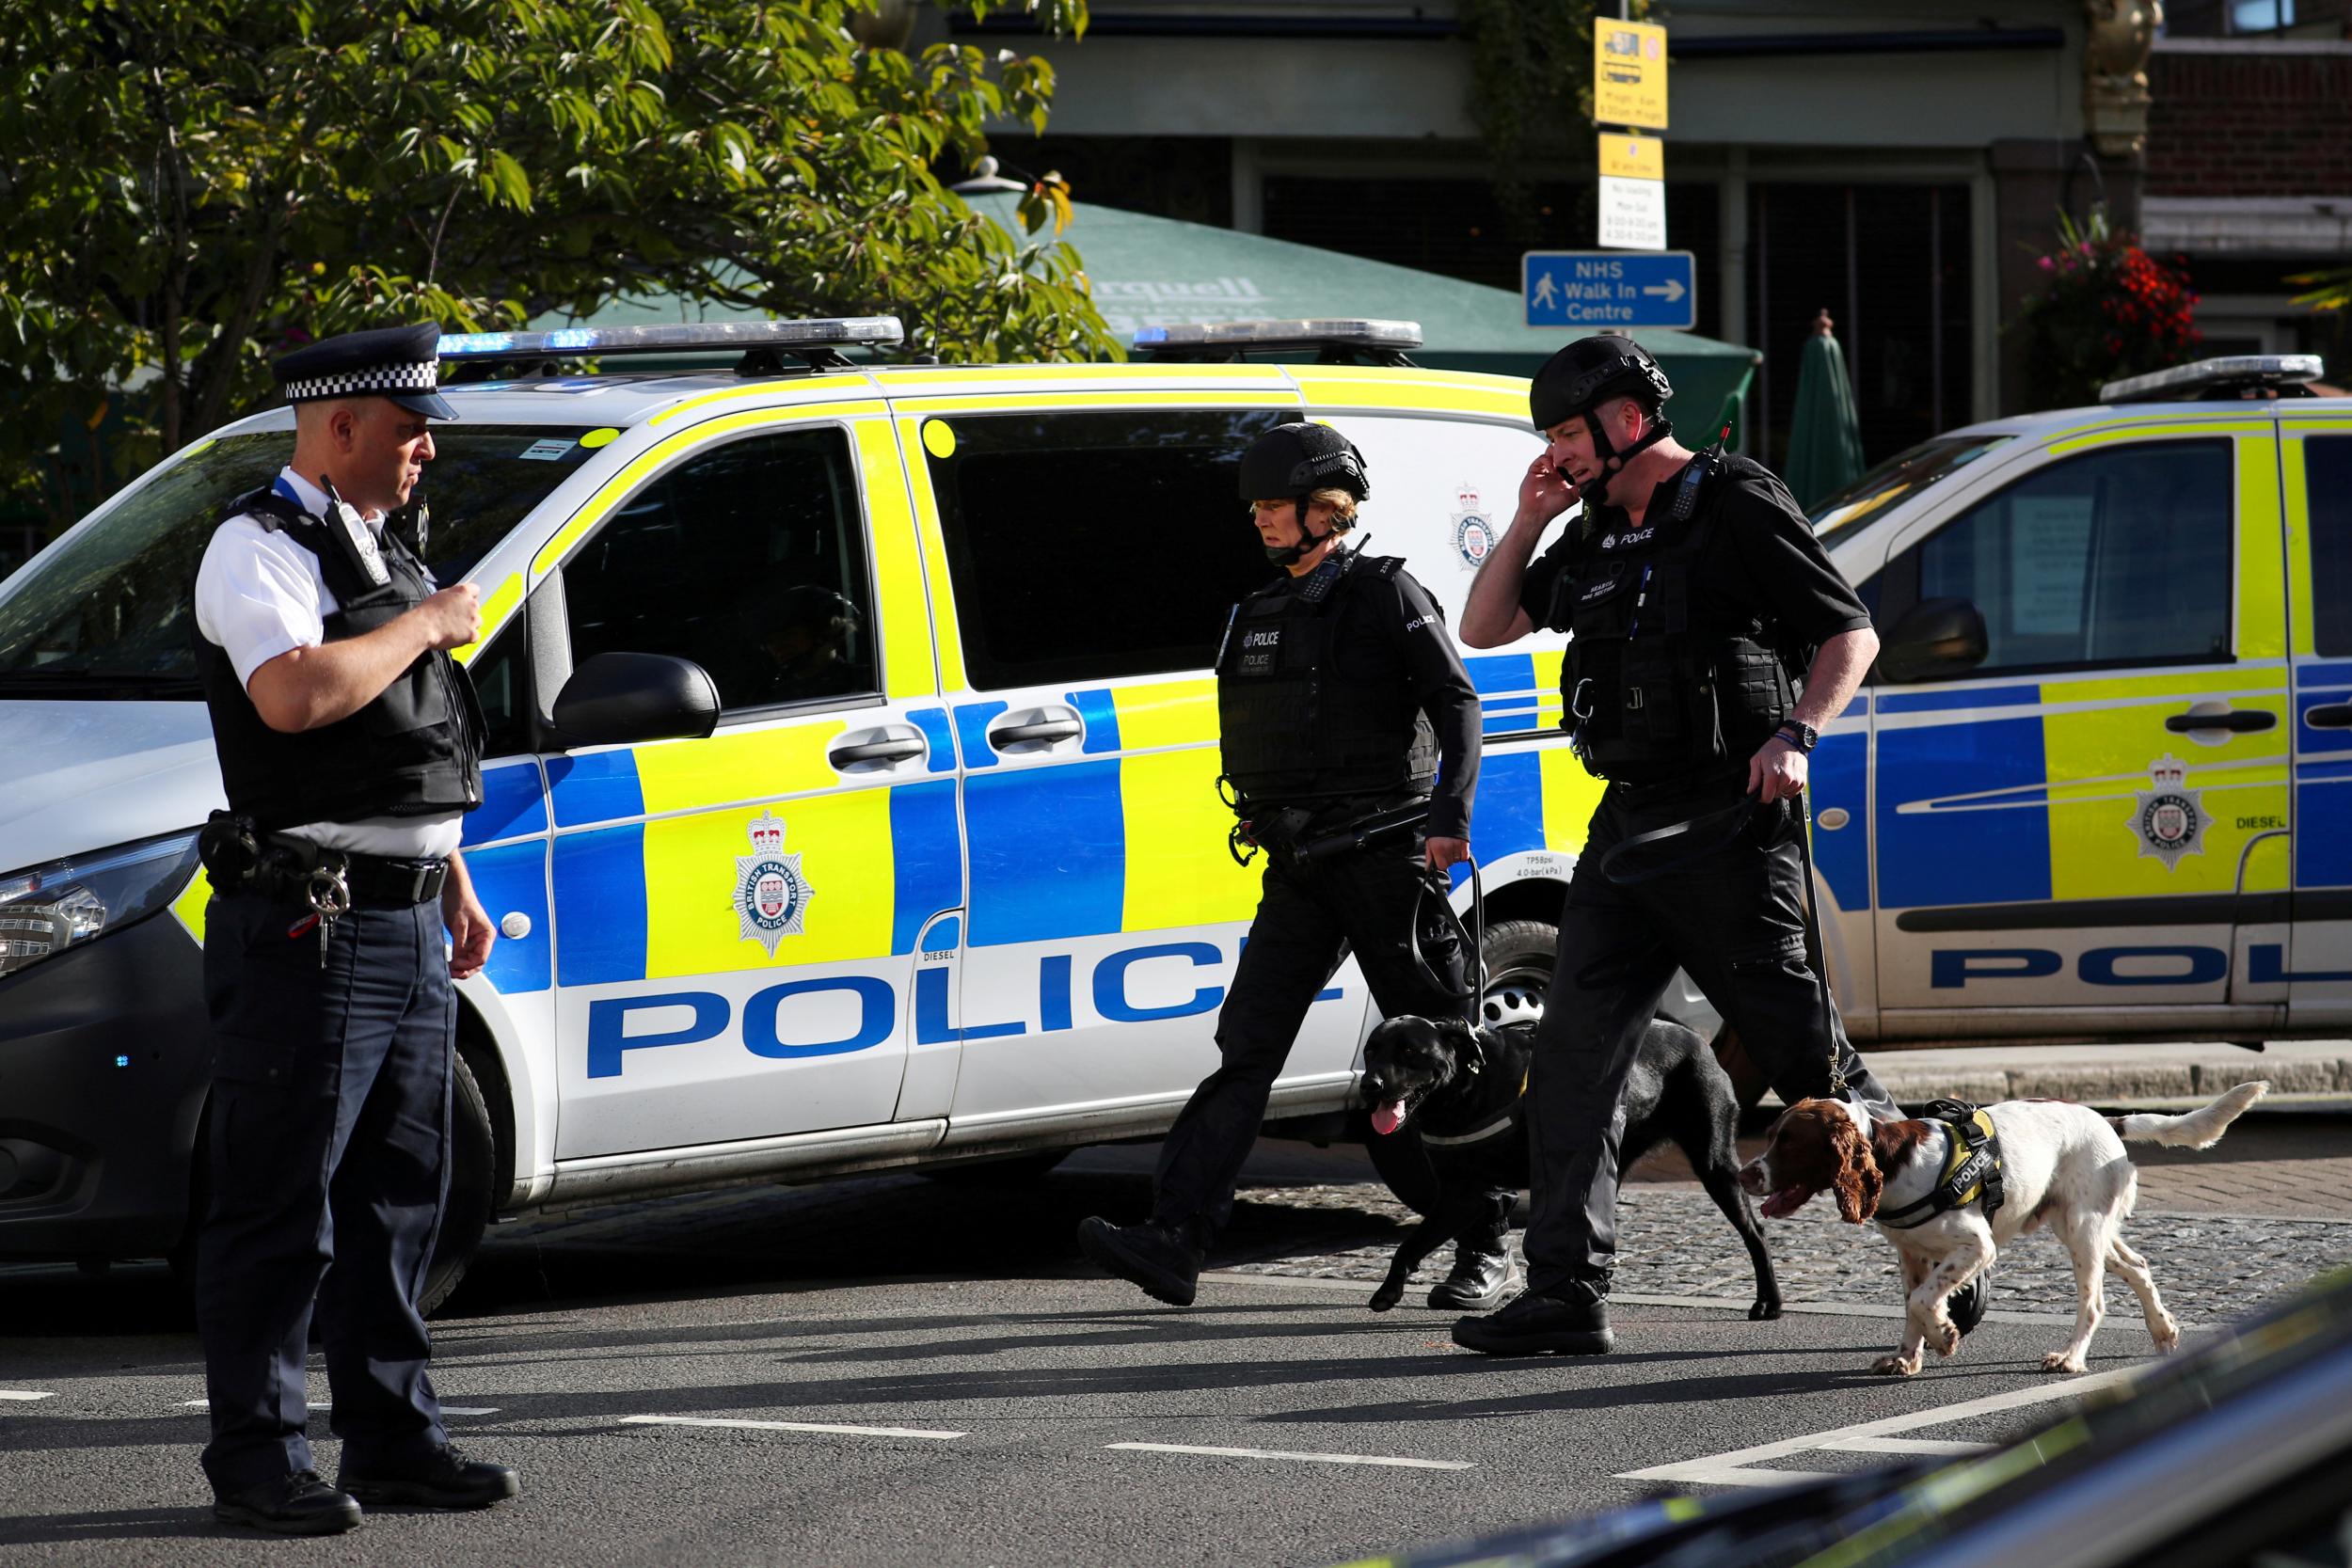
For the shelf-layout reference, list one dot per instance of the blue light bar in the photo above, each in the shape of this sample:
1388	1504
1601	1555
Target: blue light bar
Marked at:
581	341
1354	332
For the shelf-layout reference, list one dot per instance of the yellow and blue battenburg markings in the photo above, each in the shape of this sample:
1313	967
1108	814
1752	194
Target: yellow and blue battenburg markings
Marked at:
2323	775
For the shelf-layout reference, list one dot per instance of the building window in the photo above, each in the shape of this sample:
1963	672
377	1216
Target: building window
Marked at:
2261	16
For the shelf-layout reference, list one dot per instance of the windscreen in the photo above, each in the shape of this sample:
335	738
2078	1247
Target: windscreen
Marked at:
1900	477
109	614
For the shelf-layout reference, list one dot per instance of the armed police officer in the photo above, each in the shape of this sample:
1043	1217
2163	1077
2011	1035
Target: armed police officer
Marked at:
1346	719
1691	585
350	744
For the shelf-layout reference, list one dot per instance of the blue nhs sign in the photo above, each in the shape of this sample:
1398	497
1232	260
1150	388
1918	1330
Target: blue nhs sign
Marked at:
1610	288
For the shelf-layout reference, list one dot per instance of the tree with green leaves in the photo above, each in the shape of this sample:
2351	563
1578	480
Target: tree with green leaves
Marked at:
192	186
1531	92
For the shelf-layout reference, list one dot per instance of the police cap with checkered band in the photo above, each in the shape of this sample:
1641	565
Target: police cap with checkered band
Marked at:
402	363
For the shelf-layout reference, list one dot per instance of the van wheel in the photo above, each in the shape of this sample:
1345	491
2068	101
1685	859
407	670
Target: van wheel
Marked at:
472	1161
1517	955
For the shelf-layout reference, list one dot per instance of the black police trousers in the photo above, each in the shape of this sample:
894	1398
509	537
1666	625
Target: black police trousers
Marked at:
329	1166
1309	917
1730	914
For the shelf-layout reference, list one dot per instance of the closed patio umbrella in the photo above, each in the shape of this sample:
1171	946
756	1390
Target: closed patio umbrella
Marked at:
1825	435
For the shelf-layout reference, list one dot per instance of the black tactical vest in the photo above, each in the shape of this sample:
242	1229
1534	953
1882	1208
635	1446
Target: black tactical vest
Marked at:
1649	696
1298	724
416	751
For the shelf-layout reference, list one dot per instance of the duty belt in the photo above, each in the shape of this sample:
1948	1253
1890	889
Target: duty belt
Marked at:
289	865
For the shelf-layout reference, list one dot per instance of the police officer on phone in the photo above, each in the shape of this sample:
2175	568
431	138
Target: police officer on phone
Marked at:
1350	734
1692	587
350	745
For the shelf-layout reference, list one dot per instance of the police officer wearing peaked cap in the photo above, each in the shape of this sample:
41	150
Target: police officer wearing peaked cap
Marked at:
1341	700
1688	585
349	744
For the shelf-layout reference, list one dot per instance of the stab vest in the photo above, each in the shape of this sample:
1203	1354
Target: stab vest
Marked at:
1297	723
416	751
1647	694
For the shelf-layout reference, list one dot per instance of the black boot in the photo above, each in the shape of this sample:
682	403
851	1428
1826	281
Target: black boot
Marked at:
1571	1318
445	1479
1967	1304
1480	1282
1163	1259
298	1504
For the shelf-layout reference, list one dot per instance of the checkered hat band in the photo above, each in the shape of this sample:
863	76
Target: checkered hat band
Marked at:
419	376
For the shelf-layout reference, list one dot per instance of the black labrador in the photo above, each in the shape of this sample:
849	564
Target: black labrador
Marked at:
1463	1087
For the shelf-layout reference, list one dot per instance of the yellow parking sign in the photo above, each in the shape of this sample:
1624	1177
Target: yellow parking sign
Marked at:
1628	73
1632	157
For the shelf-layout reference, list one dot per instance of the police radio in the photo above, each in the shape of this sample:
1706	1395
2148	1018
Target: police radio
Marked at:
352	535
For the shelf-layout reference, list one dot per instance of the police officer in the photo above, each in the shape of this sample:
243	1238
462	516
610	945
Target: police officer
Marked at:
1688	585
349	743
1343	703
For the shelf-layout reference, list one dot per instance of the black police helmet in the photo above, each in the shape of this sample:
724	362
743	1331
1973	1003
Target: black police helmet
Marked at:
1295	459
1591	371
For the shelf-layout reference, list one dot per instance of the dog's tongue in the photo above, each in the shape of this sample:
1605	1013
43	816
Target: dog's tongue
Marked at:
1786	1201
1387	1119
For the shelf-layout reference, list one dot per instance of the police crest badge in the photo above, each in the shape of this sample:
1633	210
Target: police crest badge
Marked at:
2168	817
770	895
1474	534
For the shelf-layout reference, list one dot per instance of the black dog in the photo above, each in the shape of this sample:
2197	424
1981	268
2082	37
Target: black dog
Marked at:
1462	1086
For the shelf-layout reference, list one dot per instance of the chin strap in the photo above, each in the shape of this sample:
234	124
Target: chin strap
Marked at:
1289	555
1594	490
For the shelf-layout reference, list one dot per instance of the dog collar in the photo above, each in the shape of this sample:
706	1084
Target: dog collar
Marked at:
1455	1140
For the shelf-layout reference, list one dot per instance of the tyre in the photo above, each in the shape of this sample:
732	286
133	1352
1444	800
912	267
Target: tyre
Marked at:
472	1169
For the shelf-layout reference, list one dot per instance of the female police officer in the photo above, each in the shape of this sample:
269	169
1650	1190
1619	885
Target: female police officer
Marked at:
1339	698
1685	584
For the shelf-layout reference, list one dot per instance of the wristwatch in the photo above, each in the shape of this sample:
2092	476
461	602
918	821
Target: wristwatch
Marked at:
1800	736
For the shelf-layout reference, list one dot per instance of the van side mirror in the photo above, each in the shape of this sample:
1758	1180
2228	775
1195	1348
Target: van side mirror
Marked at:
614	699
1935	637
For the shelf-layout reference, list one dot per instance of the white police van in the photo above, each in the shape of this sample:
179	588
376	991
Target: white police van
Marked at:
945	877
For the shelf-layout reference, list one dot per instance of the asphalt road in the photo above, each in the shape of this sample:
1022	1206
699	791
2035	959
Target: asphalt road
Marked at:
899	1371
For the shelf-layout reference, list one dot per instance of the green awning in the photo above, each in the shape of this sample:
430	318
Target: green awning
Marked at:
1150	270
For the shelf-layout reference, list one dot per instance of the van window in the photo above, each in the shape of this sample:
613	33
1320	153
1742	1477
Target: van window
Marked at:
2121	556
109	614
1097	546
748	559
1898	479
2327	496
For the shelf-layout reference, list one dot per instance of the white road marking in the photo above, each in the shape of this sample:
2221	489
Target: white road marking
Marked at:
1310	1458
1731	1469
28	1394
329	1404
1902	1444
786	1426
1361	1288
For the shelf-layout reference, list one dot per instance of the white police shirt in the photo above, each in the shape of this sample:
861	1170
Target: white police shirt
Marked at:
260	594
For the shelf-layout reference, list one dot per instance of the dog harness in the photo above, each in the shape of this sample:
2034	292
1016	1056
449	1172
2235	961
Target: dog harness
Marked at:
1502	1123
1971	1173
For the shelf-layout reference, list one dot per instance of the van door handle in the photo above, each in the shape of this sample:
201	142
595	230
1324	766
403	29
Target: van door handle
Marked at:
886	743
2240	720
2330	716
1050	730
1036	728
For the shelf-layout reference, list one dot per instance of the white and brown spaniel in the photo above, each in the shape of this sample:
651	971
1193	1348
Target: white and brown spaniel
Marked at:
2062	1165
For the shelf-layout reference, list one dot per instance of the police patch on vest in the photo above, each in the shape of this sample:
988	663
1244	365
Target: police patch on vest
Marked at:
1260	651
1473	533
2169	818
770	895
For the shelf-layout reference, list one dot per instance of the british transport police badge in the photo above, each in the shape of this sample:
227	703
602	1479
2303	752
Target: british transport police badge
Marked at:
770	895
2168	818
1474	534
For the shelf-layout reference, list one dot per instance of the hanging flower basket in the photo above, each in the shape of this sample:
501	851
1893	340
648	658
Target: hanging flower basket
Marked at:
2105	310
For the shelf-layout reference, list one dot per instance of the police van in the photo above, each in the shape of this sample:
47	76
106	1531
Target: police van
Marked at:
851	788
2100	783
